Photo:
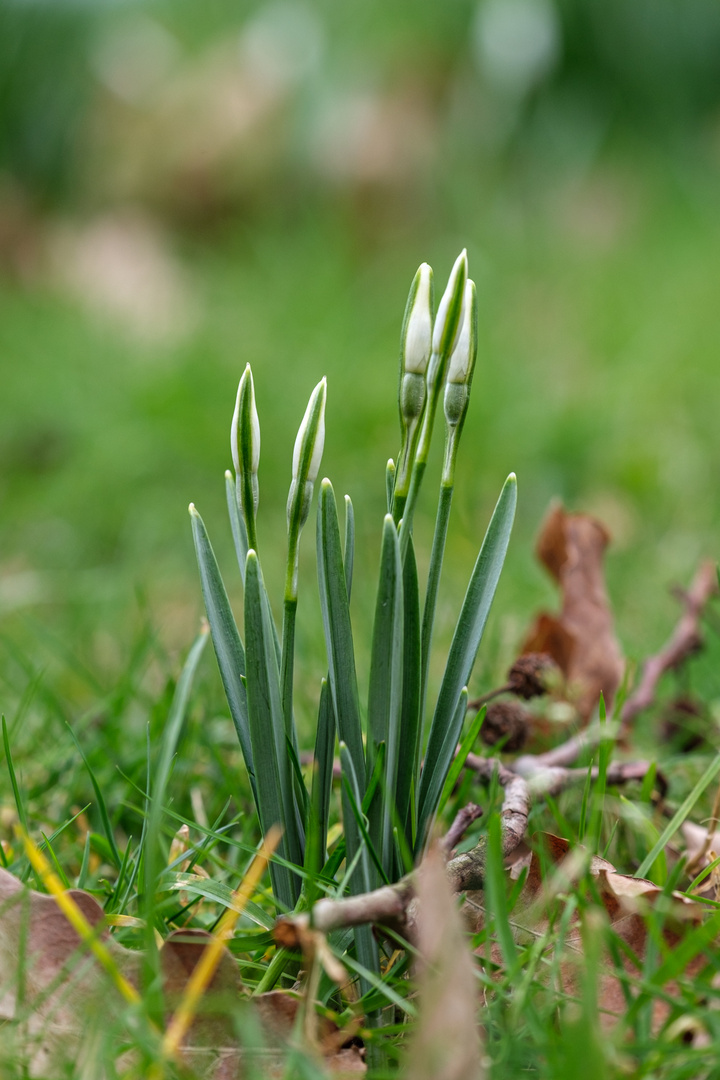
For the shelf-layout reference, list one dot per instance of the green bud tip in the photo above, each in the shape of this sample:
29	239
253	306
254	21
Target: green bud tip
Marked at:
228	474
246	386
192	511
449	313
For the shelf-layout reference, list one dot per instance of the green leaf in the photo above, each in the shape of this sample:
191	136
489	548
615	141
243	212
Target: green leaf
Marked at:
273	770
237	525
338	630
385	692
323	774
409	748
466	746
349	555
226	639
447	720
102	808
365	944
215	890
679	816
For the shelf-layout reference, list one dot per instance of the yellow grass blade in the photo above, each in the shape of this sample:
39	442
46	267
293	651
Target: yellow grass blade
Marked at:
206	966
75	917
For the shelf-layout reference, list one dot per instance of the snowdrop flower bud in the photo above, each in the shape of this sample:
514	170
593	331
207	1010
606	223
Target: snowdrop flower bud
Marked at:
245	447
448	318
417	325
415	347
459	378
306	459
462	360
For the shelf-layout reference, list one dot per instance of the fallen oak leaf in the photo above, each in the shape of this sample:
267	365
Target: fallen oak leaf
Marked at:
581	640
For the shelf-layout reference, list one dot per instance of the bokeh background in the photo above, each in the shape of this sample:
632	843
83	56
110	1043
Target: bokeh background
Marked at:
187	187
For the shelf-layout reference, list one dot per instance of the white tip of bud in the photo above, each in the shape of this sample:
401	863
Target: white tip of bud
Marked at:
462	357
311	435
246	386
447	320
417	329
192	511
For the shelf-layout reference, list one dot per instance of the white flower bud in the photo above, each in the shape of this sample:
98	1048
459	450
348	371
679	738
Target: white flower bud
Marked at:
245	386
447	320
312	431
463	355
417	327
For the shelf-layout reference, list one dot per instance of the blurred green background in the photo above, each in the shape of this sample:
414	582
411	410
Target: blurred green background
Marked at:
187	187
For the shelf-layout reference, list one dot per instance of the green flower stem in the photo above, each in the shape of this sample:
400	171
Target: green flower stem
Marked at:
436	560
274	970
243	494
436	378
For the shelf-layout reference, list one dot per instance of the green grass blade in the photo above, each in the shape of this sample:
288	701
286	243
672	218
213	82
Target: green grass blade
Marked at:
226	639
338	630
273	773
19	804
447	721
679	816
385	691
102	808
410	721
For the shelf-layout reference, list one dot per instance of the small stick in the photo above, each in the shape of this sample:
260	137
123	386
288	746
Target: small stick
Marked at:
463	820
684	641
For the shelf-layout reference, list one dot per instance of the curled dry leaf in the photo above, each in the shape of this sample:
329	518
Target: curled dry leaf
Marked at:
581	639
47	978
445	1044
56	990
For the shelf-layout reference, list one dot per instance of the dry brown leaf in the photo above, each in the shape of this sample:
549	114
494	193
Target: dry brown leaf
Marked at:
627	902
63	988
581	639
445	1044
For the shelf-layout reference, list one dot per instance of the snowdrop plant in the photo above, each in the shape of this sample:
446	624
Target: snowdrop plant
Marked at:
395	752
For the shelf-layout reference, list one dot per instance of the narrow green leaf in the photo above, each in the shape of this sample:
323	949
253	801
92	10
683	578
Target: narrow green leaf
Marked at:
365	944
338	630
469	740
226	639
369	846
273	770
389	484
679	816
349	551
410	725
324	753
102	808
447	721
237	525
385	691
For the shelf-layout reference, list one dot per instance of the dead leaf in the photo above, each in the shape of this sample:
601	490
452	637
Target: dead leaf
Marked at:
445	1044
581	640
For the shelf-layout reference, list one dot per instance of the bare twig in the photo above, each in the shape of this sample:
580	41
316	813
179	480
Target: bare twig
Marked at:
463	820
684	641
394	905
